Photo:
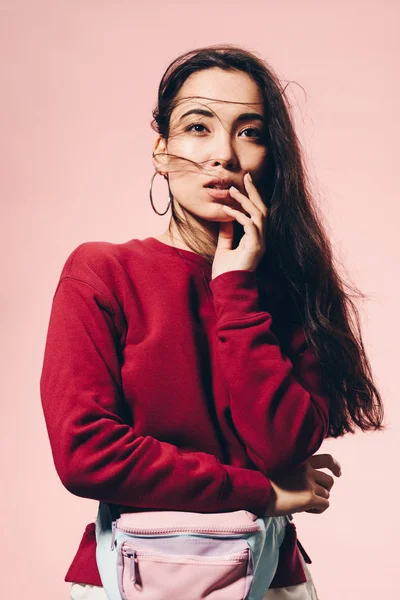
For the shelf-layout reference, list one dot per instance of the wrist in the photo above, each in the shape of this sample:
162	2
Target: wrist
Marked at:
270	509
235	293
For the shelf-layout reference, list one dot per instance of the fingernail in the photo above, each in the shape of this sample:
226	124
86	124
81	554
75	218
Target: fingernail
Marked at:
249	177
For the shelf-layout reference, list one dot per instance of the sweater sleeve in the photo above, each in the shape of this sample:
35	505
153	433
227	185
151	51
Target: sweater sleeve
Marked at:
279	406
96	453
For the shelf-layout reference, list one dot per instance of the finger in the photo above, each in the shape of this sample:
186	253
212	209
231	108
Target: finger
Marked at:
320	491
324	479
254	195
319	505
251	204
247	204
248	224
225	235
322	461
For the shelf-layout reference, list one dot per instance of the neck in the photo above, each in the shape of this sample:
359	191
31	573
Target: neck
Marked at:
173	237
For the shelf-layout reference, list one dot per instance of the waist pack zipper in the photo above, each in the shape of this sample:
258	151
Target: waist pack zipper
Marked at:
133	556
183	528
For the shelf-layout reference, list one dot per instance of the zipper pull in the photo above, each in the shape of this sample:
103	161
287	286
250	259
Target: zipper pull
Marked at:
113	528
132	570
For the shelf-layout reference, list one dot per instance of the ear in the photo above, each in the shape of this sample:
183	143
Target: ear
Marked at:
160	149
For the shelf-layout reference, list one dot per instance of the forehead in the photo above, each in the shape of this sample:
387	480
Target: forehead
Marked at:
215	86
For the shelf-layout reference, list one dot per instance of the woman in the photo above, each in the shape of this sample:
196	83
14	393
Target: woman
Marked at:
201	370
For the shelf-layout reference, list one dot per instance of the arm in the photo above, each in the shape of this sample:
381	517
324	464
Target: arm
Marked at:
279	407
96	454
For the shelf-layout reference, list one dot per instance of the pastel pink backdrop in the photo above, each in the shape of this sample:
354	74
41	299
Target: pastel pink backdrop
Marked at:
78	84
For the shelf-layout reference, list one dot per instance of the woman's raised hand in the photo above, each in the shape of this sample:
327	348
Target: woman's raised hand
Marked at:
252	244
305	489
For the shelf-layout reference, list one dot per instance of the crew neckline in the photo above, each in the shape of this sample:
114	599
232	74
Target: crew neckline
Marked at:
175	252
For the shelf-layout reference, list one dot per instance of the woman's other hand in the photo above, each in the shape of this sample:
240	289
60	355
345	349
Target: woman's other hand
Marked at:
305	489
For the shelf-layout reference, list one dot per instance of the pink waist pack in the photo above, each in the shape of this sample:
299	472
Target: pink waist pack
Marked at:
176	555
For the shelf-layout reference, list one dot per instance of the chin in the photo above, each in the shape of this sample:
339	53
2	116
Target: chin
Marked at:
216	213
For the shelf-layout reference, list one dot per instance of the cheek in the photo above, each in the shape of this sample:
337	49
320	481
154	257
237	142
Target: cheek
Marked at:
255	158
259	167
186	184
189	147
181	139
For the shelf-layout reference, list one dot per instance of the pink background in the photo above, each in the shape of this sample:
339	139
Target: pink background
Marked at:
78	85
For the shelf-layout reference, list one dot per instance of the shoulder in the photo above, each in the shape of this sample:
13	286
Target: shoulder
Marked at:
89	258
99	265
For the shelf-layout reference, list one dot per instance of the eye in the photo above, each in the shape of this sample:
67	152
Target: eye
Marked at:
258	132
193	125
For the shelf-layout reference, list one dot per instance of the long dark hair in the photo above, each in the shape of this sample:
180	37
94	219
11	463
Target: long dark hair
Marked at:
298	252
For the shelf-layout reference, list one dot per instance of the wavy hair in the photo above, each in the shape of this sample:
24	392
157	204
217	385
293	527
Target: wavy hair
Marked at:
299	255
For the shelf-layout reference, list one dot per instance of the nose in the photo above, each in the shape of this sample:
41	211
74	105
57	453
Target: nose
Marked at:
223	152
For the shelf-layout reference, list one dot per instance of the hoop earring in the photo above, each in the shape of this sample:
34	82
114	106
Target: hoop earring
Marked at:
151	196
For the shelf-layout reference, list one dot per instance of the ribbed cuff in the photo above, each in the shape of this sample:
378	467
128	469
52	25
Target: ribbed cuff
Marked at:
235	294
245	489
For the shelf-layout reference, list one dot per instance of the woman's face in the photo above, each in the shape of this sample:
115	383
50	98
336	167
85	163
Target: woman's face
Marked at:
225	143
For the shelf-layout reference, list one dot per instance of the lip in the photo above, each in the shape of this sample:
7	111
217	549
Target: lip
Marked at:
225	182
219	194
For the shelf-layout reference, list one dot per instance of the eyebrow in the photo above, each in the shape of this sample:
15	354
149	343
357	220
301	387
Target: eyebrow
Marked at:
249	116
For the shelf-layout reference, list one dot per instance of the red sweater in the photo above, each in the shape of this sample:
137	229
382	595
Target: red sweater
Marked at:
164	389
